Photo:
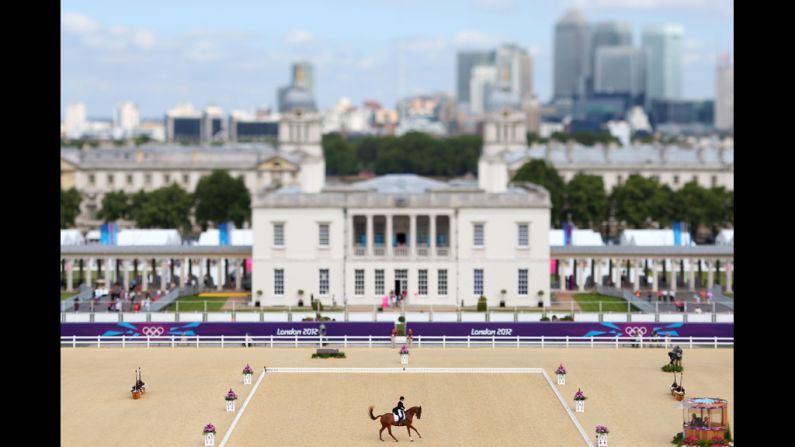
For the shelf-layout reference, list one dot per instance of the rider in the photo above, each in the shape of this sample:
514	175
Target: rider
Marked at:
399	410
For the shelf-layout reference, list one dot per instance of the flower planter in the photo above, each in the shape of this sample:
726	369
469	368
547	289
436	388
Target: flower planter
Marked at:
579	406
679	396
136	394
404	359
230	405
246	379
209	439
561	379
601	440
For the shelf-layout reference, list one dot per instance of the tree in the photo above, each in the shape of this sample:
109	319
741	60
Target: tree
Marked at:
115	206
586	200
221	198
70	207
540	173
340	156
697	206
640	199
167	207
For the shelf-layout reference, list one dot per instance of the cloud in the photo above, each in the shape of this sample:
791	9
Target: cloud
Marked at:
204	51
299	37
494	5
474	38
722	7
94	34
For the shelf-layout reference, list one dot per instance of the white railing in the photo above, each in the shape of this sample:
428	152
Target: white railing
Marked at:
379	250
442	251
422	251
371	341
401	251
359	250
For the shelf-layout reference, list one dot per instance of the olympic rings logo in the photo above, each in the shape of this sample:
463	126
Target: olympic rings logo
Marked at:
153	331
634	331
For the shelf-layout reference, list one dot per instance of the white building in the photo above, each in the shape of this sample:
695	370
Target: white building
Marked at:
75	119
482	80
442	243
126	117
724	97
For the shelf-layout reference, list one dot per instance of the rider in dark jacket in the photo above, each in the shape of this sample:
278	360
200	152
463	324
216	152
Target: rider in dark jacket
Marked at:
399	410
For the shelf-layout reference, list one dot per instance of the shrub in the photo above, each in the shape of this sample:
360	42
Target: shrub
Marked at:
568	318
400	329
402	319
672	368
545	318
338	355
482	304
317	306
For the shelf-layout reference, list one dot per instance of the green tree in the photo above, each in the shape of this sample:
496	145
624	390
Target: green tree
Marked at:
115	206
70	207
539	172
586	200
221	198
167	207
367	152
639	199
696	205
340	156
141	139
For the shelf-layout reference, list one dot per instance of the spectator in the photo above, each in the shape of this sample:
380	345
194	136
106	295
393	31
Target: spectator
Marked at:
709	296
77	303
147	302
648	296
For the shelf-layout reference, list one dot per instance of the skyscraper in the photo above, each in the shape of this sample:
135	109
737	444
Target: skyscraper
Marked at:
606	34
619	69
663	46
75	119
304	76
465	61
724	95
481	83
300	92
571	55
126	116
519	65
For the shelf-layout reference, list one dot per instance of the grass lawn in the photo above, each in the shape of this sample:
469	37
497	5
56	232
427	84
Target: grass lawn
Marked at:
589	302
65	295
729	294
195	303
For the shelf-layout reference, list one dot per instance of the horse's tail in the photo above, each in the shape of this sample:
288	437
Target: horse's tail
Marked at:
371	413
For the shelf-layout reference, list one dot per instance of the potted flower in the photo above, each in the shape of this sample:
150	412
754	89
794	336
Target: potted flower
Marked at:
247	372
209	435
601	435
561	372
230	398
579	401
404	355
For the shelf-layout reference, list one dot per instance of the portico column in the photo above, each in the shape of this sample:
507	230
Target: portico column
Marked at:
412	235
202	271
163	274
562	274
389	236
692	278
69	269
219	283
108	269
144	279
638	265
89	279
598	278
125	266
617	273
433	234
238	275
369	237
710	274
351	235
182	272
580	275
729	270
672	285
654	283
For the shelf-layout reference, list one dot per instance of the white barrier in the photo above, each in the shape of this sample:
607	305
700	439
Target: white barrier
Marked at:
419	317
501	316
445	316
360	316
336	316
724	318
276	316
699	318
219	317
77	317
248	317
671	318
110	317
133	317
162	317
529	316
614	318
473	316
299	316
642	318
191	317
385	316
587	317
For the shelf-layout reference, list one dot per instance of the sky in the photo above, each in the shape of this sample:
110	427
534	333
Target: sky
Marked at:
236	53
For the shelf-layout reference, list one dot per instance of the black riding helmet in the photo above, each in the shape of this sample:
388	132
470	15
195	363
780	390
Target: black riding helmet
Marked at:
401	397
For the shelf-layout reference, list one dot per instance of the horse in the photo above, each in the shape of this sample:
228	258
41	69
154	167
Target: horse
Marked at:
676	356
388	420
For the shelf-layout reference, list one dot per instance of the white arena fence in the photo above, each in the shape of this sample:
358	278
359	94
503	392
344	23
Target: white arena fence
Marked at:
280	341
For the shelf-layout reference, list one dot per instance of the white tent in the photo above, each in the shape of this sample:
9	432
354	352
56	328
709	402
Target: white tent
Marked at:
578	238
725	237
238	237
92	236
72	237
149	237
653	238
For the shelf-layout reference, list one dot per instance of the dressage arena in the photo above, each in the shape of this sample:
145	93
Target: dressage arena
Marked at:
185	387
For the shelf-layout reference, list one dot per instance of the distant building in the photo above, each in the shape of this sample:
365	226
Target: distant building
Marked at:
724	97
183	125
126	117
619	69
482	81
465	61
247	128
605	35
571	55
75	119
663	46
300	93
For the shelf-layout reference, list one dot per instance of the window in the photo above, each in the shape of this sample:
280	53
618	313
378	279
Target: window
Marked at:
478	282
148	179
442	282
129	179
714	181
166	178
379	282
185	178
422	281
478	235
278	281
278	235
324	282
91	179
676	180
358	282
522	282
524	235
110	179
323	231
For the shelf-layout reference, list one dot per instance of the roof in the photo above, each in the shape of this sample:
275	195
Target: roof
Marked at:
657	238
639	157
401	183
238	237
578	238
236	156
149	237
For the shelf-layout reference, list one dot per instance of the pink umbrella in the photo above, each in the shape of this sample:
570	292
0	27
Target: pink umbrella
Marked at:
385	302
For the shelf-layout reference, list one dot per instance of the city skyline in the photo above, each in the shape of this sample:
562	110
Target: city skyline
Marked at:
211	56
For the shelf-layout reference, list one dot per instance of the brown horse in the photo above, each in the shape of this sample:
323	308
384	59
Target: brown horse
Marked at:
388	420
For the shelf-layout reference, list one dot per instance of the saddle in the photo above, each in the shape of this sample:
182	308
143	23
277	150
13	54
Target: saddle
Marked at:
400	417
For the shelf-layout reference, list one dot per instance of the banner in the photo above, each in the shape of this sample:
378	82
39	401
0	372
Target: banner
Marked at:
224	233
567	234
108	234
677	226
